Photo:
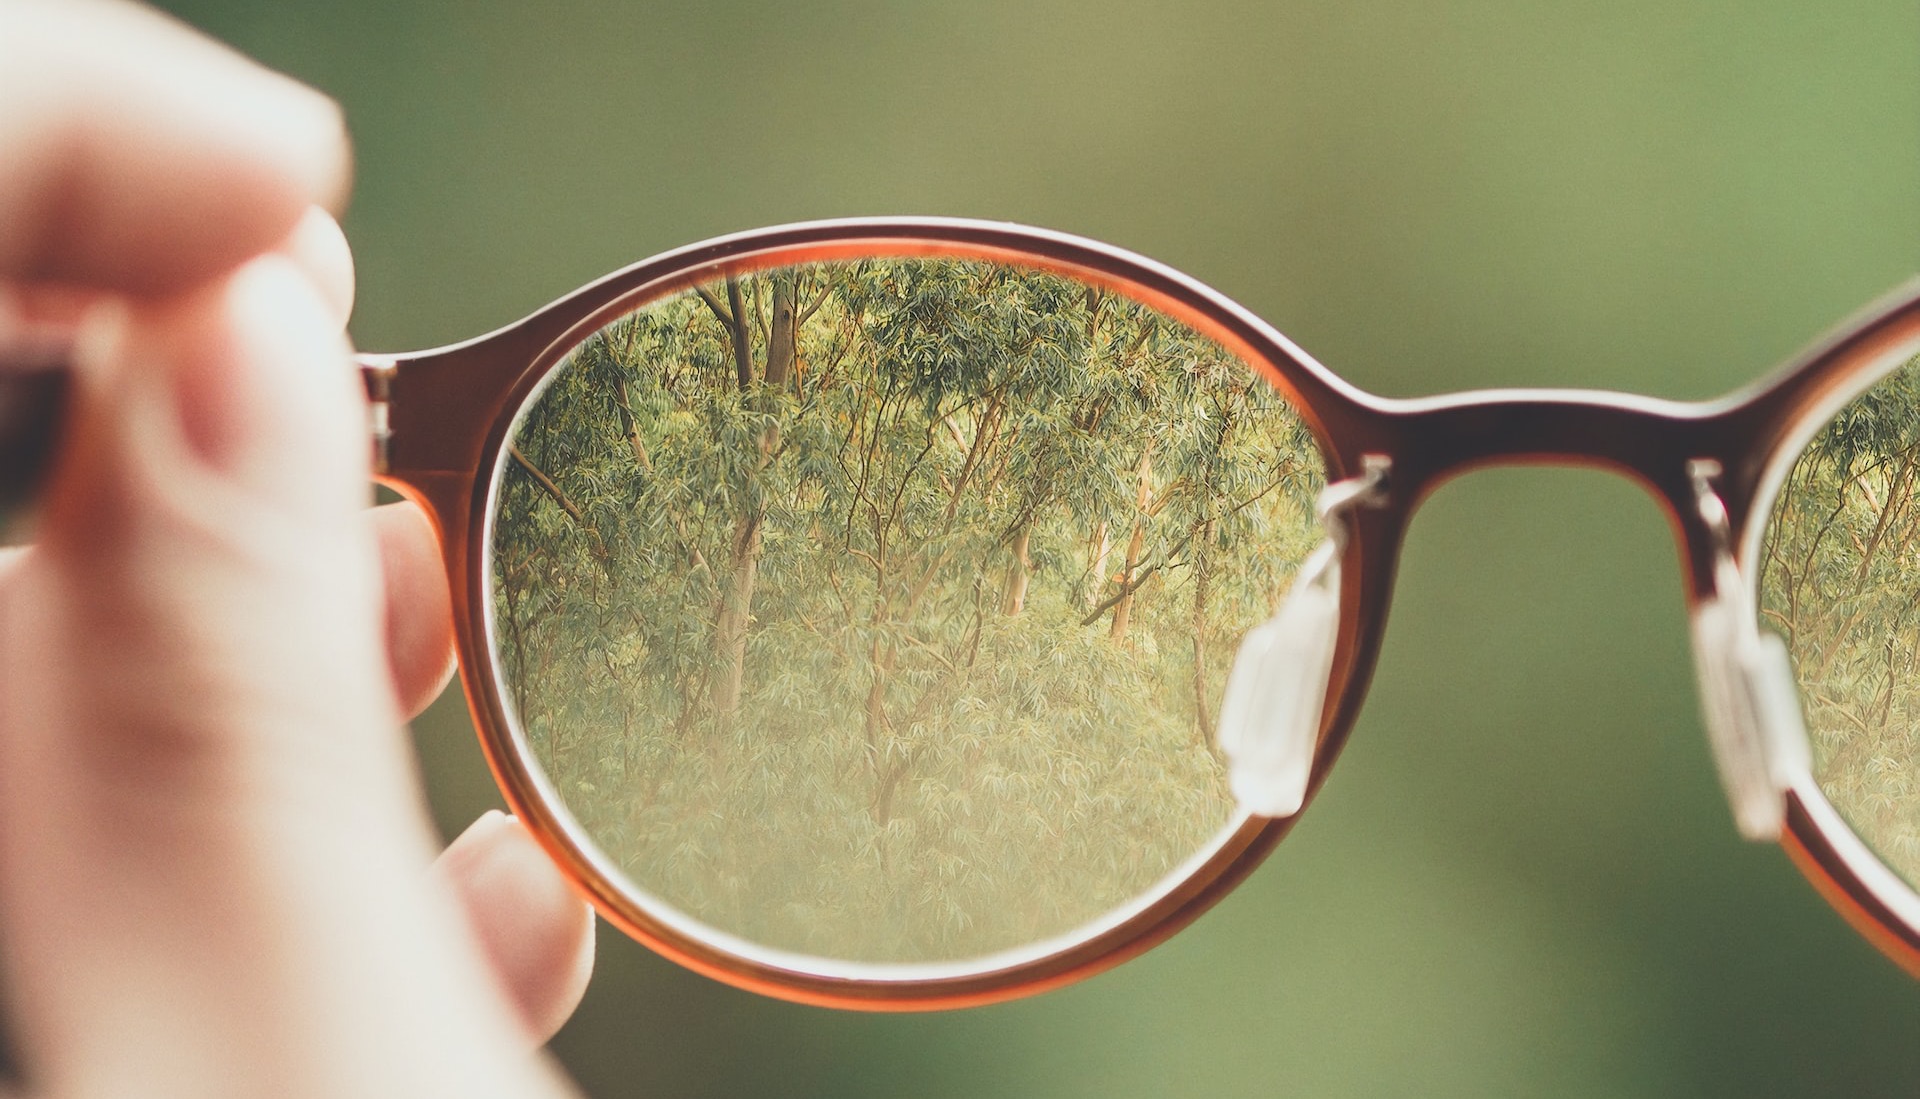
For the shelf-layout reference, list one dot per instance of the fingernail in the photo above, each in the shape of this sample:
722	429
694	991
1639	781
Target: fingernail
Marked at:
483	832
493	844
330	164
319	248
247	407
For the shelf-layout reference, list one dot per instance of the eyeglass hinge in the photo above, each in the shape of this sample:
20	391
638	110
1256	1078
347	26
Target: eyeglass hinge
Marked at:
378	375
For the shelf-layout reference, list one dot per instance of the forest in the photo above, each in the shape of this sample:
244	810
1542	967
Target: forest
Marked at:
1840	580
880	610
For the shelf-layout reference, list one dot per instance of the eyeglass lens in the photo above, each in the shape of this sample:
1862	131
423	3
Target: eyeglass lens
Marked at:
1840	580
881	610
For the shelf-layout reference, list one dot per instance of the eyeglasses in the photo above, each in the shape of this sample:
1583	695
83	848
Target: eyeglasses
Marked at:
910	613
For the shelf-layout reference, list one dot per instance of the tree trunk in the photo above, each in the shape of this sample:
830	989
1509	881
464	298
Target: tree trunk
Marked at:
883	796
1123	610
1884	704
782	348
742	346
1019	571
1202	588
631	429
736	593
782	343
885	774
736	606
736	603
1102	549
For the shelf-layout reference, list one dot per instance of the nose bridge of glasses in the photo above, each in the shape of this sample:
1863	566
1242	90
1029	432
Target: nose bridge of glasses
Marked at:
1642	436
1691	458
1647	440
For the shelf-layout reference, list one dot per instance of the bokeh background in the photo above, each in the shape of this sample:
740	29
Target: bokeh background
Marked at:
1522	878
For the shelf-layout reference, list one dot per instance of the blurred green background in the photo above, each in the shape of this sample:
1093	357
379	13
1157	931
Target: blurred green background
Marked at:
1522	879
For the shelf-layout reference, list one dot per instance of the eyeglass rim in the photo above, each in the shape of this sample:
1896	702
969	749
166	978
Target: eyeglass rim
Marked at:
447	459
1854	357
515	360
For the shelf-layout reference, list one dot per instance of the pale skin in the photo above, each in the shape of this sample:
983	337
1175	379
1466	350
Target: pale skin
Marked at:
217	876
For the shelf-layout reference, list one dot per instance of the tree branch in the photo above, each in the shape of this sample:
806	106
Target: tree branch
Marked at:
1126	589
1135	584
545	482
807	313
713	303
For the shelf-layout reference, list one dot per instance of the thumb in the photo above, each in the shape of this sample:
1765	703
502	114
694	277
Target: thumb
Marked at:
211	848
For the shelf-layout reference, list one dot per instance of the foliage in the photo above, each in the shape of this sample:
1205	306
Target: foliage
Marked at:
1841	580
878	610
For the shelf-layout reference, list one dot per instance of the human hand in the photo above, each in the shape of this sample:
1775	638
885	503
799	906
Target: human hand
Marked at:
214	865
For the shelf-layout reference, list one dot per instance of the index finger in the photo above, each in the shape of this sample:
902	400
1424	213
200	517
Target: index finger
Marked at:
138	156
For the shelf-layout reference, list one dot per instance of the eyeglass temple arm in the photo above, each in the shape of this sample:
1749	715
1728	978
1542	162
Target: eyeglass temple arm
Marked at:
34	388
377	372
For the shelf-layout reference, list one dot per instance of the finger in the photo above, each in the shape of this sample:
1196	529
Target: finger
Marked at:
144	157
419	610
36	322
205	533
534	928
202	749
419	607
316	246
319	248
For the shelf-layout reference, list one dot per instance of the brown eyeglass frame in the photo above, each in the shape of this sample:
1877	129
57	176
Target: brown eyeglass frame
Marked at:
442	419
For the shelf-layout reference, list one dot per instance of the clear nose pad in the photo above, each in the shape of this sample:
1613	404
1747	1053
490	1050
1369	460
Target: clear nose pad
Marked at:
1270	718
1747	693
1277	690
